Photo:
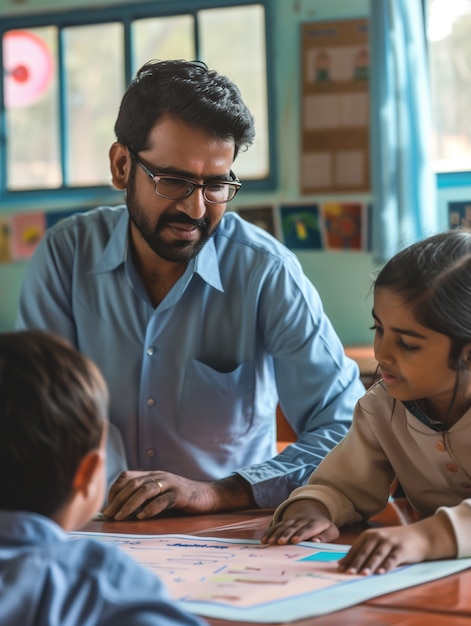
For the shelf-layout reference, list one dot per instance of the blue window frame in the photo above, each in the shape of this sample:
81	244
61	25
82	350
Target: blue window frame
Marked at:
65	74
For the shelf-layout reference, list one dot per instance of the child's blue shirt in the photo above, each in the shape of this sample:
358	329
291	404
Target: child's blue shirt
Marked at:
48	580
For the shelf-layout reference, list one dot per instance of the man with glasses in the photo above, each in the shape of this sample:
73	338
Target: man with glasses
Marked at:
199	321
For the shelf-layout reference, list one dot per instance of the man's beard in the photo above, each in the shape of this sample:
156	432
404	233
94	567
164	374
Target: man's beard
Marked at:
177	251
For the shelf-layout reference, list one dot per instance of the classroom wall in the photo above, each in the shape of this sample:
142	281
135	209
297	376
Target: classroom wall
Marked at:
342	278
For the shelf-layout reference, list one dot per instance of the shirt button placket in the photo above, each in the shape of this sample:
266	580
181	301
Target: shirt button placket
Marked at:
150	452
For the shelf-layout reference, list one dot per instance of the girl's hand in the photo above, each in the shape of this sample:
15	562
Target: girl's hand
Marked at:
379	550
298	529
303	520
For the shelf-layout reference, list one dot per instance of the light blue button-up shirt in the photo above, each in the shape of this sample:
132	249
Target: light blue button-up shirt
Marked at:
48	580
194	382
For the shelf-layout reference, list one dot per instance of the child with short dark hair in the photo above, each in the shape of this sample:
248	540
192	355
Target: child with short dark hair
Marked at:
414	424
53	423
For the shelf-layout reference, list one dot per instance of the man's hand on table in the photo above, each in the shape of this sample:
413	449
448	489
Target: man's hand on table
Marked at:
146	494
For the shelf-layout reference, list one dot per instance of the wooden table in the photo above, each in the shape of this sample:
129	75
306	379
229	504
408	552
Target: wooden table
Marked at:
446	601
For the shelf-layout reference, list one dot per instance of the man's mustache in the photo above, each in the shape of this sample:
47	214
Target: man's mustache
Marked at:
181	218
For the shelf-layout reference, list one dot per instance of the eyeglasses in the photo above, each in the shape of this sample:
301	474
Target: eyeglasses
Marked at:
178	188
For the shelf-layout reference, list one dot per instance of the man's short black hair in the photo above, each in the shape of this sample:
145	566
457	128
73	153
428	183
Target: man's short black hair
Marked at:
189	91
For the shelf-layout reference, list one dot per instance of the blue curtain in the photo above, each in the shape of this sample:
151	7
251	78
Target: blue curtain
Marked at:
403	182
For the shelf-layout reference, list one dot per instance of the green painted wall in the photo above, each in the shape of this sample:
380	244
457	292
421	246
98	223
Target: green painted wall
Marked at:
342	278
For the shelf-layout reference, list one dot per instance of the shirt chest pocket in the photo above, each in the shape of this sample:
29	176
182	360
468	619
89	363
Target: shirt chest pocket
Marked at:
216	407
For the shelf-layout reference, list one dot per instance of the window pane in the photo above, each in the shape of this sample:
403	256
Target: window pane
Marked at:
162	38
233	43
30	87
59	120
94	71
449	36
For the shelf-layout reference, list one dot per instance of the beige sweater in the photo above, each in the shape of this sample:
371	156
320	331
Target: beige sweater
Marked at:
384	441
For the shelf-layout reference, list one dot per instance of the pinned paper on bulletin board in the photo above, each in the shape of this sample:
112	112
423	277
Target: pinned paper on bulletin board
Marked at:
335	107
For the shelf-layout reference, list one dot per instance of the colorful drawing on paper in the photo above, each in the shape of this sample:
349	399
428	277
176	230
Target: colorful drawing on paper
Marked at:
301	228
20	233
345	226
27	230
248	581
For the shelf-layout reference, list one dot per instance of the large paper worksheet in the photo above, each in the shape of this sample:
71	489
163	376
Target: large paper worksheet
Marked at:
247	581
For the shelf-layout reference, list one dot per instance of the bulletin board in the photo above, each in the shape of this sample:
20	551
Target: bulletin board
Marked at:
335	140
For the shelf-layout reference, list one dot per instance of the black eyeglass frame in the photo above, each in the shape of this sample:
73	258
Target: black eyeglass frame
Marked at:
234	184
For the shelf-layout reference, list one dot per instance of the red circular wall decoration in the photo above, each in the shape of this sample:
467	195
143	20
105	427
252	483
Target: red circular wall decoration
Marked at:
28	68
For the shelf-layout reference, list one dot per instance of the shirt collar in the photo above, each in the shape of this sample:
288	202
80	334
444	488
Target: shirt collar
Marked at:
207	265
25	528
116	249
414	409
115	253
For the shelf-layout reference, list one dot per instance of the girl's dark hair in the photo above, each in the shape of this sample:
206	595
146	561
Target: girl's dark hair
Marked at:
189	91
433	277
53	405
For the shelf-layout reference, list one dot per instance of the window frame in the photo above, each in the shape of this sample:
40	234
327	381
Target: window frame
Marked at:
446	180
89	195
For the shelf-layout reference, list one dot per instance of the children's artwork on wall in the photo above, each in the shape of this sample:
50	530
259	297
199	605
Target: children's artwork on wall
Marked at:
301	226
27	230
459	214
20	233
5	239
262	216
345	225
